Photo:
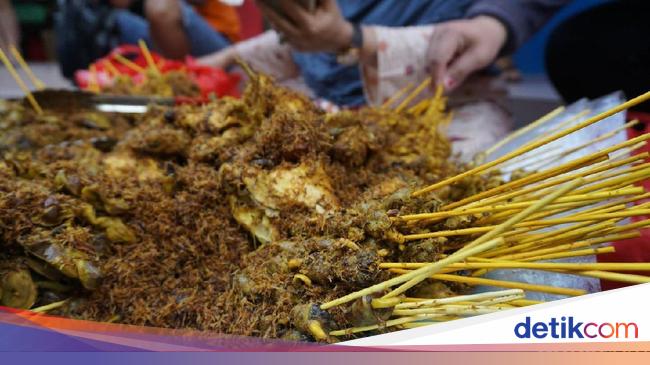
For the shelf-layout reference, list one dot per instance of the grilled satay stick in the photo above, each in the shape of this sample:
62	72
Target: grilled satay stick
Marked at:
40	85
20	82
535	144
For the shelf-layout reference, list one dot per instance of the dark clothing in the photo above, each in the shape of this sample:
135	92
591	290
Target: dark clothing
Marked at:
602	50
522	17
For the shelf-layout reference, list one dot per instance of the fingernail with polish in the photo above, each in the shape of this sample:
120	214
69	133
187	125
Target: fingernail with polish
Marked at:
450	83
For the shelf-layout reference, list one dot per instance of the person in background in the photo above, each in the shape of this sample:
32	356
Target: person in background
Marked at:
178	28
9	29
87	30
357	52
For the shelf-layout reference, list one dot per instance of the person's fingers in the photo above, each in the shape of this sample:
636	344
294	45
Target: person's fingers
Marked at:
469	61
445	45
328	5
296	13
279	23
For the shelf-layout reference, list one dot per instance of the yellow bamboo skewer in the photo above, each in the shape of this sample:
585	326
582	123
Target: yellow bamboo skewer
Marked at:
542	175
521	131
637	225
525	302
49	307
94	80
111	68
413	95
493	233
501	283
600	138
148	57
538	223
586	217
459	298
553	256
576	253
437	105
458	309
568	233
531	146
524	156
420	107
615	276
569	246
607	266
20	82
397	95
128	63
458	256
389	323
40	85
523	204
625	179
562	179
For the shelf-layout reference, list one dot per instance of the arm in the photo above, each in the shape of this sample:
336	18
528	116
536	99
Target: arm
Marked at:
522	18
462	47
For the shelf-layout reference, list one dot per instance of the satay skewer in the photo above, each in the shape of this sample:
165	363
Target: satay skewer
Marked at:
40	85
21	83
536	144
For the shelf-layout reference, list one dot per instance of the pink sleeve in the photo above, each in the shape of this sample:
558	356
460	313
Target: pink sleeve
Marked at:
401	60
266	54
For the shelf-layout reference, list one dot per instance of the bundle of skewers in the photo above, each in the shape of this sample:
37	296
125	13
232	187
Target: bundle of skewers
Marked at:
563	207
135	70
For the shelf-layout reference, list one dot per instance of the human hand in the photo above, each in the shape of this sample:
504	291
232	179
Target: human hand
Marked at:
323	30
459	48
221	59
